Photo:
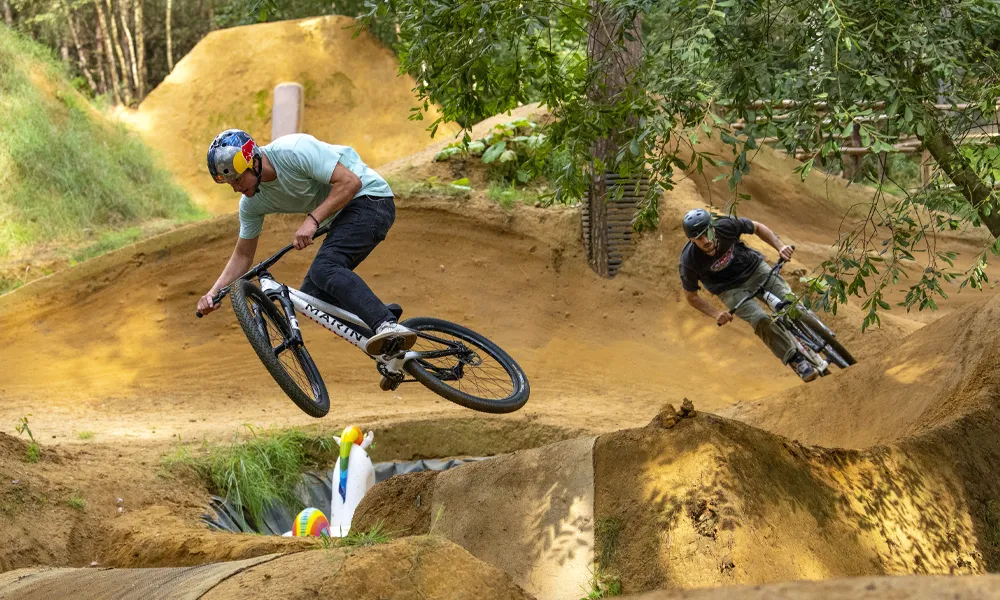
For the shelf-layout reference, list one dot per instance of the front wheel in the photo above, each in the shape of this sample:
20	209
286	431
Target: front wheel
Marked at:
835	351
289	363
464	367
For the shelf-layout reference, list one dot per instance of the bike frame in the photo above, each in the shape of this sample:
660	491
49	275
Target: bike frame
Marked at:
343	324
773	302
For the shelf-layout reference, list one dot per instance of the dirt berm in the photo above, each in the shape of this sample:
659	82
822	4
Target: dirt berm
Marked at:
937	376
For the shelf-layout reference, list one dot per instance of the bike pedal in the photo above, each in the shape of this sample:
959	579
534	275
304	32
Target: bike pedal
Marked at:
387	384
392	346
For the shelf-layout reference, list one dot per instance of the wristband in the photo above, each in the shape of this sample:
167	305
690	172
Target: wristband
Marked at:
314	219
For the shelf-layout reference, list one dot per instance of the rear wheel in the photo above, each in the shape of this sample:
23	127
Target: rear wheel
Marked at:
270	335
835	351
464	367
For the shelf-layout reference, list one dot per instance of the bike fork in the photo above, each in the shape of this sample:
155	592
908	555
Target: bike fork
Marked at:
280	291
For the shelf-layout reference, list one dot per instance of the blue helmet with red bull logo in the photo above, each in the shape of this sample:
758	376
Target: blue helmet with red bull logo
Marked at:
232	152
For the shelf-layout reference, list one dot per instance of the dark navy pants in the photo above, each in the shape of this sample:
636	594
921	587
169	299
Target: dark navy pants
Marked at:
358	228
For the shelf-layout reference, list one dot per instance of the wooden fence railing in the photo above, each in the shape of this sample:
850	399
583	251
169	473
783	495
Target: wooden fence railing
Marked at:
853	149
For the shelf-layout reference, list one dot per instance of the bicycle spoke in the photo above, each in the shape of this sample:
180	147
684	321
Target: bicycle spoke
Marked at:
482	375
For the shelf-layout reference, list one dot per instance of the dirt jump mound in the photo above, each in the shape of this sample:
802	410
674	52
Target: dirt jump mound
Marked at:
354	96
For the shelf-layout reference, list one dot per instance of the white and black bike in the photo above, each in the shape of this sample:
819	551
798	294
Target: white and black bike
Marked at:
452	361
817	342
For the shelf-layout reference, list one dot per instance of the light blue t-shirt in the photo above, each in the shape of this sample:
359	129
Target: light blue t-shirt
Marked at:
304	166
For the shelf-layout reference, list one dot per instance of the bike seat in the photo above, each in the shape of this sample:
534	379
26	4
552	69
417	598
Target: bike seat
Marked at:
395	309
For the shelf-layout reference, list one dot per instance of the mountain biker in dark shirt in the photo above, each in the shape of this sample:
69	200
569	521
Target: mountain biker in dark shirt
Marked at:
716	258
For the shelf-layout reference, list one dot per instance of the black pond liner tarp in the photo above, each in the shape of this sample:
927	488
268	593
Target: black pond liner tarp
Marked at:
314	490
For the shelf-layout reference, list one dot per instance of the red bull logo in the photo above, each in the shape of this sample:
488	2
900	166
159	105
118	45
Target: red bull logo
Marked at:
243	159
248	151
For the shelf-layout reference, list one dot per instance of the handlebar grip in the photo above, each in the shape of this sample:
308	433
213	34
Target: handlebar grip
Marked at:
216	299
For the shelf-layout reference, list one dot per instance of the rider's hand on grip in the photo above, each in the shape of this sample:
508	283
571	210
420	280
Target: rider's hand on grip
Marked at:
305	234
206	304
786	252
723	318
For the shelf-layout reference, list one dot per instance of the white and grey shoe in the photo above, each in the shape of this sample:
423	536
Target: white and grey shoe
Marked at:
803	369
389	338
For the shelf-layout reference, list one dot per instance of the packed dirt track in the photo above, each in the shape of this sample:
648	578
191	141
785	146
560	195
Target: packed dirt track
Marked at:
657	450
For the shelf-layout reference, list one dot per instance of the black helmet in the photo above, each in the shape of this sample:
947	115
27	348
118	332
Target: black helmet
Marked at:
696	222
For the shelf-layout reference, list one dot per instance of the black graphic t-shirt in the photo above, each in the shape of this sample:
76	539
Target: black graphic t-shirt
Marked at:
734	262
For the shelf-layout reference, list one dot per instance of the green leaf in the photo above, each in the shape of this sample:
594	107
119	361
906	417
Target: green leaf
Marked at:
494	152
634	147
806	167
507	156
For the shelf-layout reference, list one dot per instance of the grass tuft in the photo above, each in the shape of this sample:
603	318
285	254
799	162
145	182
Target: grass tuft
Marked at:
260	470
374	536
34	452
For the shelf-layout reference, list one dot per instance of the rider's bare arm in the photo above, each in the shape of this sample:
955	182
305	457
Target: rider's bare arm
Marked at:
345	186
720	316
239	263
764	232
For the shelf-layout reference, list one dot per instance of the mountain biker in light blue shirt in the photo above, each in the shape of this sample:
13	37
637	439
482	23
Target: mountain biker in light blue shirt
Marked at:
328	183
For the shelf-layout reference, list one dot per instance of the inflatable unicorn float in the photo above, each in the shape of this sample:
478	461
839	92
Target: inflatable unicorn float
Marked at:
353	476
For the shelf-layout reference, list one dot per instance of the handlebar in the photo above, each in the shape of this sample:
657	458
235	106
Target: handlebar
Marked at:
260	267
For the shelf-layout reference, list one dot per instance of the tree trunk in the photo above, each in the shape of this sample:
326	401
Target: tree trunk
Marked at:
63	48
123	13
614	63
109	54
140	50
81	55
99	50
126	88
938	142
7	16
170	43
